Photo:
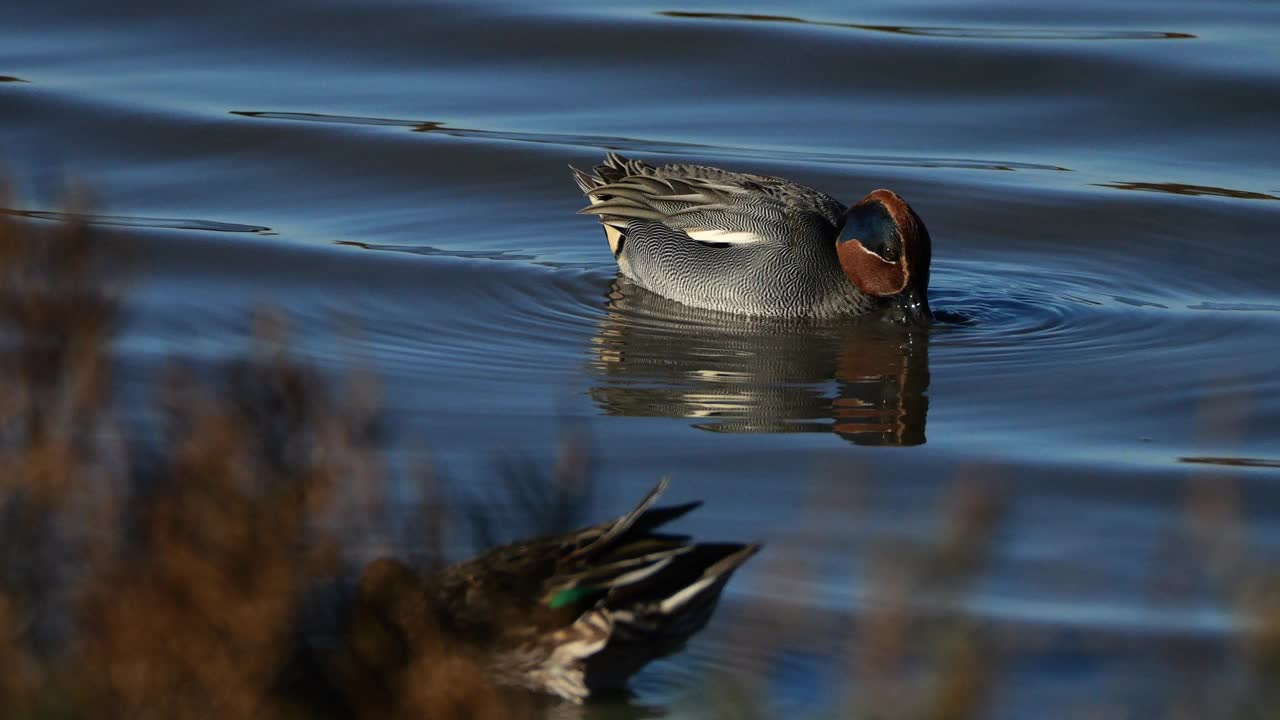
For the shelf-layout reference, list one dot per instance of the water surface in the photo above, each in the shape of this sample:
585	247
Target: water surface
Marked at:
1100	181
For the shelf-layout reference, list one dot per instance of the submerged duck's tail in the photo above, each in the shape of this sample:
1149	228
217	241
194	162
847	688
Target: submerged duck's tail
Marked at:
614	169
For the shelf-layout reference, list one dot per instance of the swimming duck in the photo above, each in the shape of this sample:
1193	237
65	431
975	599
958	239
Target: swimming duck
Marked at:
575	613
759	245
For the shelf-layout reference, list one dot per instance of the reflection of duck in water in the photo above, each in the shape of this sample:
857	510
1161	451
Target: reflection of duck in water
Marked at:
758	245
864	381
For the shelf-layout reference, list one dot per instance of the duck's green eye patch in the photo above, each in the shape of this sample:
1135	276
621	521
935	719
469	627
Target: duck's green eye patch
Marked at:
871	225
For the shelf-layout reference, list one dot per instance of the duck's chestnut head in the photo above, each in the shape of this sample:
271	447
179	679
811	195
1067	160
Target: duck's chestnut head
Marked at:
884	250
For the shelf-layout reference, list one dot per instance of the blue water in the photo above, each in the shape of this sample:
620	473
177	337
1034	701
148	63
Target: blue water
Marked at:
1100	180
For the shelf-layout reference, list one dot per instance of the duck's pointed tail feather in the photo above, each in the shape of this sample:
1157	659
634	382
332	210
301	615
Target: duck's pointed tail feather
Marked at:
683	584
614	168
611	531
586	182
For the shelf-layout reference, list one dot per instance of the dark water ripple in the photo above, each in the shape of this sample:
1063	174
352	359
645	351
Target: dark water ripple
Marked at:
139	222
1190	190
968	33
1232	461
1235	307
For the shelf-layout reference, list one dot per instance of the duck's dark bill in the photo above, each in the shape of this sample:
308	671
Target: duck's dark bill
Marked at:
911	308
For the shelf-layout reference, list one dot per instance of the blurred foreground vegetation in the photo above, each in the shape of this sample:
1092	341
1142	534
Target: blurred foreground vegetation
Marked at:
165	576
168	575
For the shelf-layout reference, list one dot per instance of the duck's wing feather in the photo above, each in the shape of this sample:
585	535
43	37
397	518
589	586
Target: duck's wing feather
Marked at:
708	205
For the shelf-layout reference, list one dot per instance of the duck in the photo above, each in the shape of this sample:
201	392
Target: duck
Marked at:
757	245
567	615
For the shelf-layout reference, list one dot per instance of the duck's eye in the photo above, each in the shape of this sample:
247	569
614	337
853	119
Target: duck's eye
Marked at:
889	248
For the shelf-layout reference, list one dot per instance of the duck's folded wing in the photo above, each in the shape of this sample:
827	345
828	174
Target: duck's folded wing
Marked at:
710	206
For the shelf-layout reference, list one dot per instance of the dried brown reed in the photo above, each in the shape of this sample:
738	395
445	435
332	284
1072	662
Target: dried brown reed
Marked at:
164	579
55	320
